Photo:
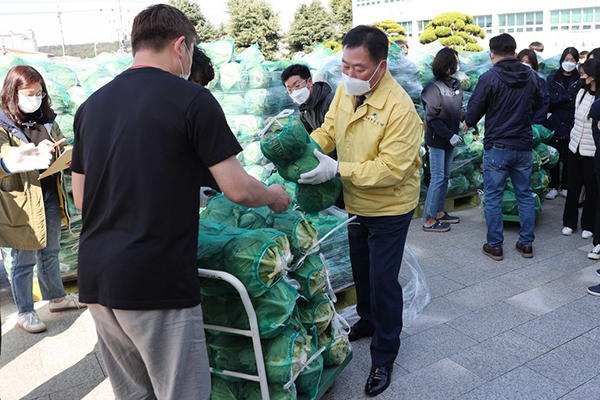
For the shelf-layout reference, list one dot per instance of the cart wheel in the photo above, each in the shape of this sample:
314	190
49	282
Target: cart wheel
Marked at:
330	388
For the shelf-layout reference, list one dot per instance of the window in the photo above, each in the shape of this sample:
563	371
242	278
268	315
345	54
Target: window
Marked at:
518	22
572	19
421	25
485	22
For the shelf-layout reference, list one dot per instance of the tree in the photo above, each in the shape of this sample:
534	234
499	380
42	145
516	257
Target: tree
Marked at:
254	21
392	29
205	31
333	45
311	25
455	30
341	17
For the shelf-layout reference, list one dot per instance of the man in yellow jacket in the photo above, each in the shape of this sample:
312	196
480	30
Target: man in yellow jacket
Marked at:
373	125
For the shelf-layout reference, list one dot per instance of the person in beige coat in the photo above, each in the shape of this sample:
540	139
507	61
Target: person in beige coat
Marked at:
581	157
31	209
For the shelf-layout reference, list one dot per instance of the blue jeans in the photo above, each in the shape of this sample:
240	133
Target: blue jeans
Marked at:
376	250
440	166
48	267
497	162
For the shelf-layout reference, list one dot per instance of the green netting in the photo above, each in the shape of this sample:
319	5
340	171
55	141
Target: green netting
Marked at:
232	104
62	75
8	61
335	340
553	157
287	144
273	310
77	95
542	150
60	97
258	76
536	160
219	52
310	378
476	151
318	312
252	155
285	355
251	53
510	205
96	80
233	78
476	181
254	257
539	182
246	128
541	134
298	229
258	172
65	122
458	186
462	167
311	276
464	79
222	389
265	101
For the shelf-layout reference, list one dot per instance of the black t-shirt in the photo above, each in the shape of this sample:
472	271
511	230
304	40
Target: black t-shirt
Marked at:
141	142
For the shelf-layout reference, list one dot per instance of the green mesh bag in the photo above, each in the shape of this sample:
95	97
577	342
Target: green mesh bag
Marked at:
542	150
311	276
553	157
458	186
476	181
273	310
285	355
65	122
318	312
233	78
62	75
541	134
476	150
223	389
536	159
510	205
246	128
254	257
335	341
232	104
252	155
539	182
310	378
300	232
286	143
461	167
258	76
219	52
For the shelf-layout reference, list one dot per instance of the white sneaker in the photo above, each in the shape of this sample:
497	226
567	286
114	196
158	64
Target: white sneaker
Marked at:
68	303
563	193
551	195
30	322
567	231
595	254
587	235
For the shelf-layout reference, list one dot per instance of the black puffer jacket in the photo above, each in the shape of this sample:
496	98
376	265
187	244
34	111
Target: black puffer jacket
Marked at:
312	114
442	100
562	105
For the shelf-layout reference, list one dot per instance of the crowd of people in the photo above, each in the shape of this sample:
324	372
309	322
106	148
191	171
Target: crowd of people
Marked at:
156	122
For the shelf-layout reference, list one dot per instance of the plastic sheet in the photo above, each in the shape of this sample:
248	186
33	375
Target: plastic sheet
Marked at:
415	292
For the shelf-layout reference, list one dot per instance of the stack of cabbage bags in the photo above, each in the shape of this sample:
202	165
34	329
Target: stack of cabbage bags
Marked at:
299	328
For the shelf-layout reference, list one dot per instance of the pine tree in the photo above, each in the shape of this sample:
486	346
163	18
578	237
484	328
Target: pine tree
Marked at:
254	21
206	31
341	17
311	25
455	30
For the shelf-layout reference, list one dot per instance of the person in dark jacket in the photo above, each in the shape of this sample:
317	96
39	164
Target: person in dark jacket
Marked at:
314	98
528	57
595	253
562	86
507	95
442	100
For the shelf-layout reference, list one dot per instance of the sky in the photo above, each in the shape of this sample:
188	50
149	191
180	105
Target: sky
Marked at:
88	21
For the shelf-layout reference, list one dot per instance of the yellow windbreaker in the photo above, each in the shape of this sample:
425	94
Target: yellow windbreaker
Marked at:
378	149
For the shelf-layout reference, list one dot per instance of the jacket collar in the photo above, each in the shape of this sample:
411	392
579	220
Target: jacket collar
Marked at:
14	130
320	91
379	96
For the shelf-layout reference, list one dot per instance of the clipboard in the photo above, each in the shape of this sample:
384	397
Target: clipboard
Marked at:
59	164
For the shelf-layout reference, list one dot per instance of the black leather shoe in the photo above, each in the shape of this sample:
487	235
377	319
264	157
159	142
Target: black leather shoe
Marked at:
358	332
379	380
526	251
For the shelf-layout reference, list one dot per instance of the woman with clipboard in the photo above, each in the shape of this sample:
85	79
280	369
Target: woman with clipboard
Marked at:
31	209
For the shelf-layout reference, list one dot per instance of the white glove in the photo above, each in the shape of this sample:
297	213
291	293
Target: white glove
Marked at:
455	140
27	158
206	193
325	171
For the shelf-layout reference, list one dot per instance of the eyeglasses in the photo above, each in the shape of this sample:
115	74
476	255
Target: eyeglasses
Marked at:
298	85
43	94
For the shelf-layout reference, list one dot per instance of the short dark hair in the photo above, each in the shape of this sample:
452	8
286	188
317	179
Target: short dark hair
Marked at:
372	38
595	53
445	62
532	58
592	67
401	42
202	68
295	69
536	46
155	27
572	51
583	53
503	45
19	77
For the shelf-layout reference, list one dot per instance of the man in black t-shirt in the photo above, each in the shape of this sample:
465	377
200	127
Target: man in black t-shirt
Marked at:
140	142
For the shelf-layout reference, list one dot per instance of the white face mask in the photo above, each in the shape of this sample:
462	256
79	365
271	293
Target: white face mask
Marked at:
568	66
29	104
358	87
300	96
526	64
183	75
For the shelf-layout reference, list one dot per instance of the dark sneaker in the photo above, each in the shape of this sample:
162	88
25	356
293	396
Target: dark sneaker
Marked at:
525	250
437	227
495	253
594	290
449	219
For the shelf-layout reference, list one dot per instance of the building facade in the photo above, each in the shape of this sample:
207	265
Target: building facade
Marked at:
557	24
18	42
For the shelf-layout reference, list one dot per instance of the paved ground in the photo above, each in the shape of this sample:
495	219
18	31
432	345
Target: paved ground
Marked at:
516	329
